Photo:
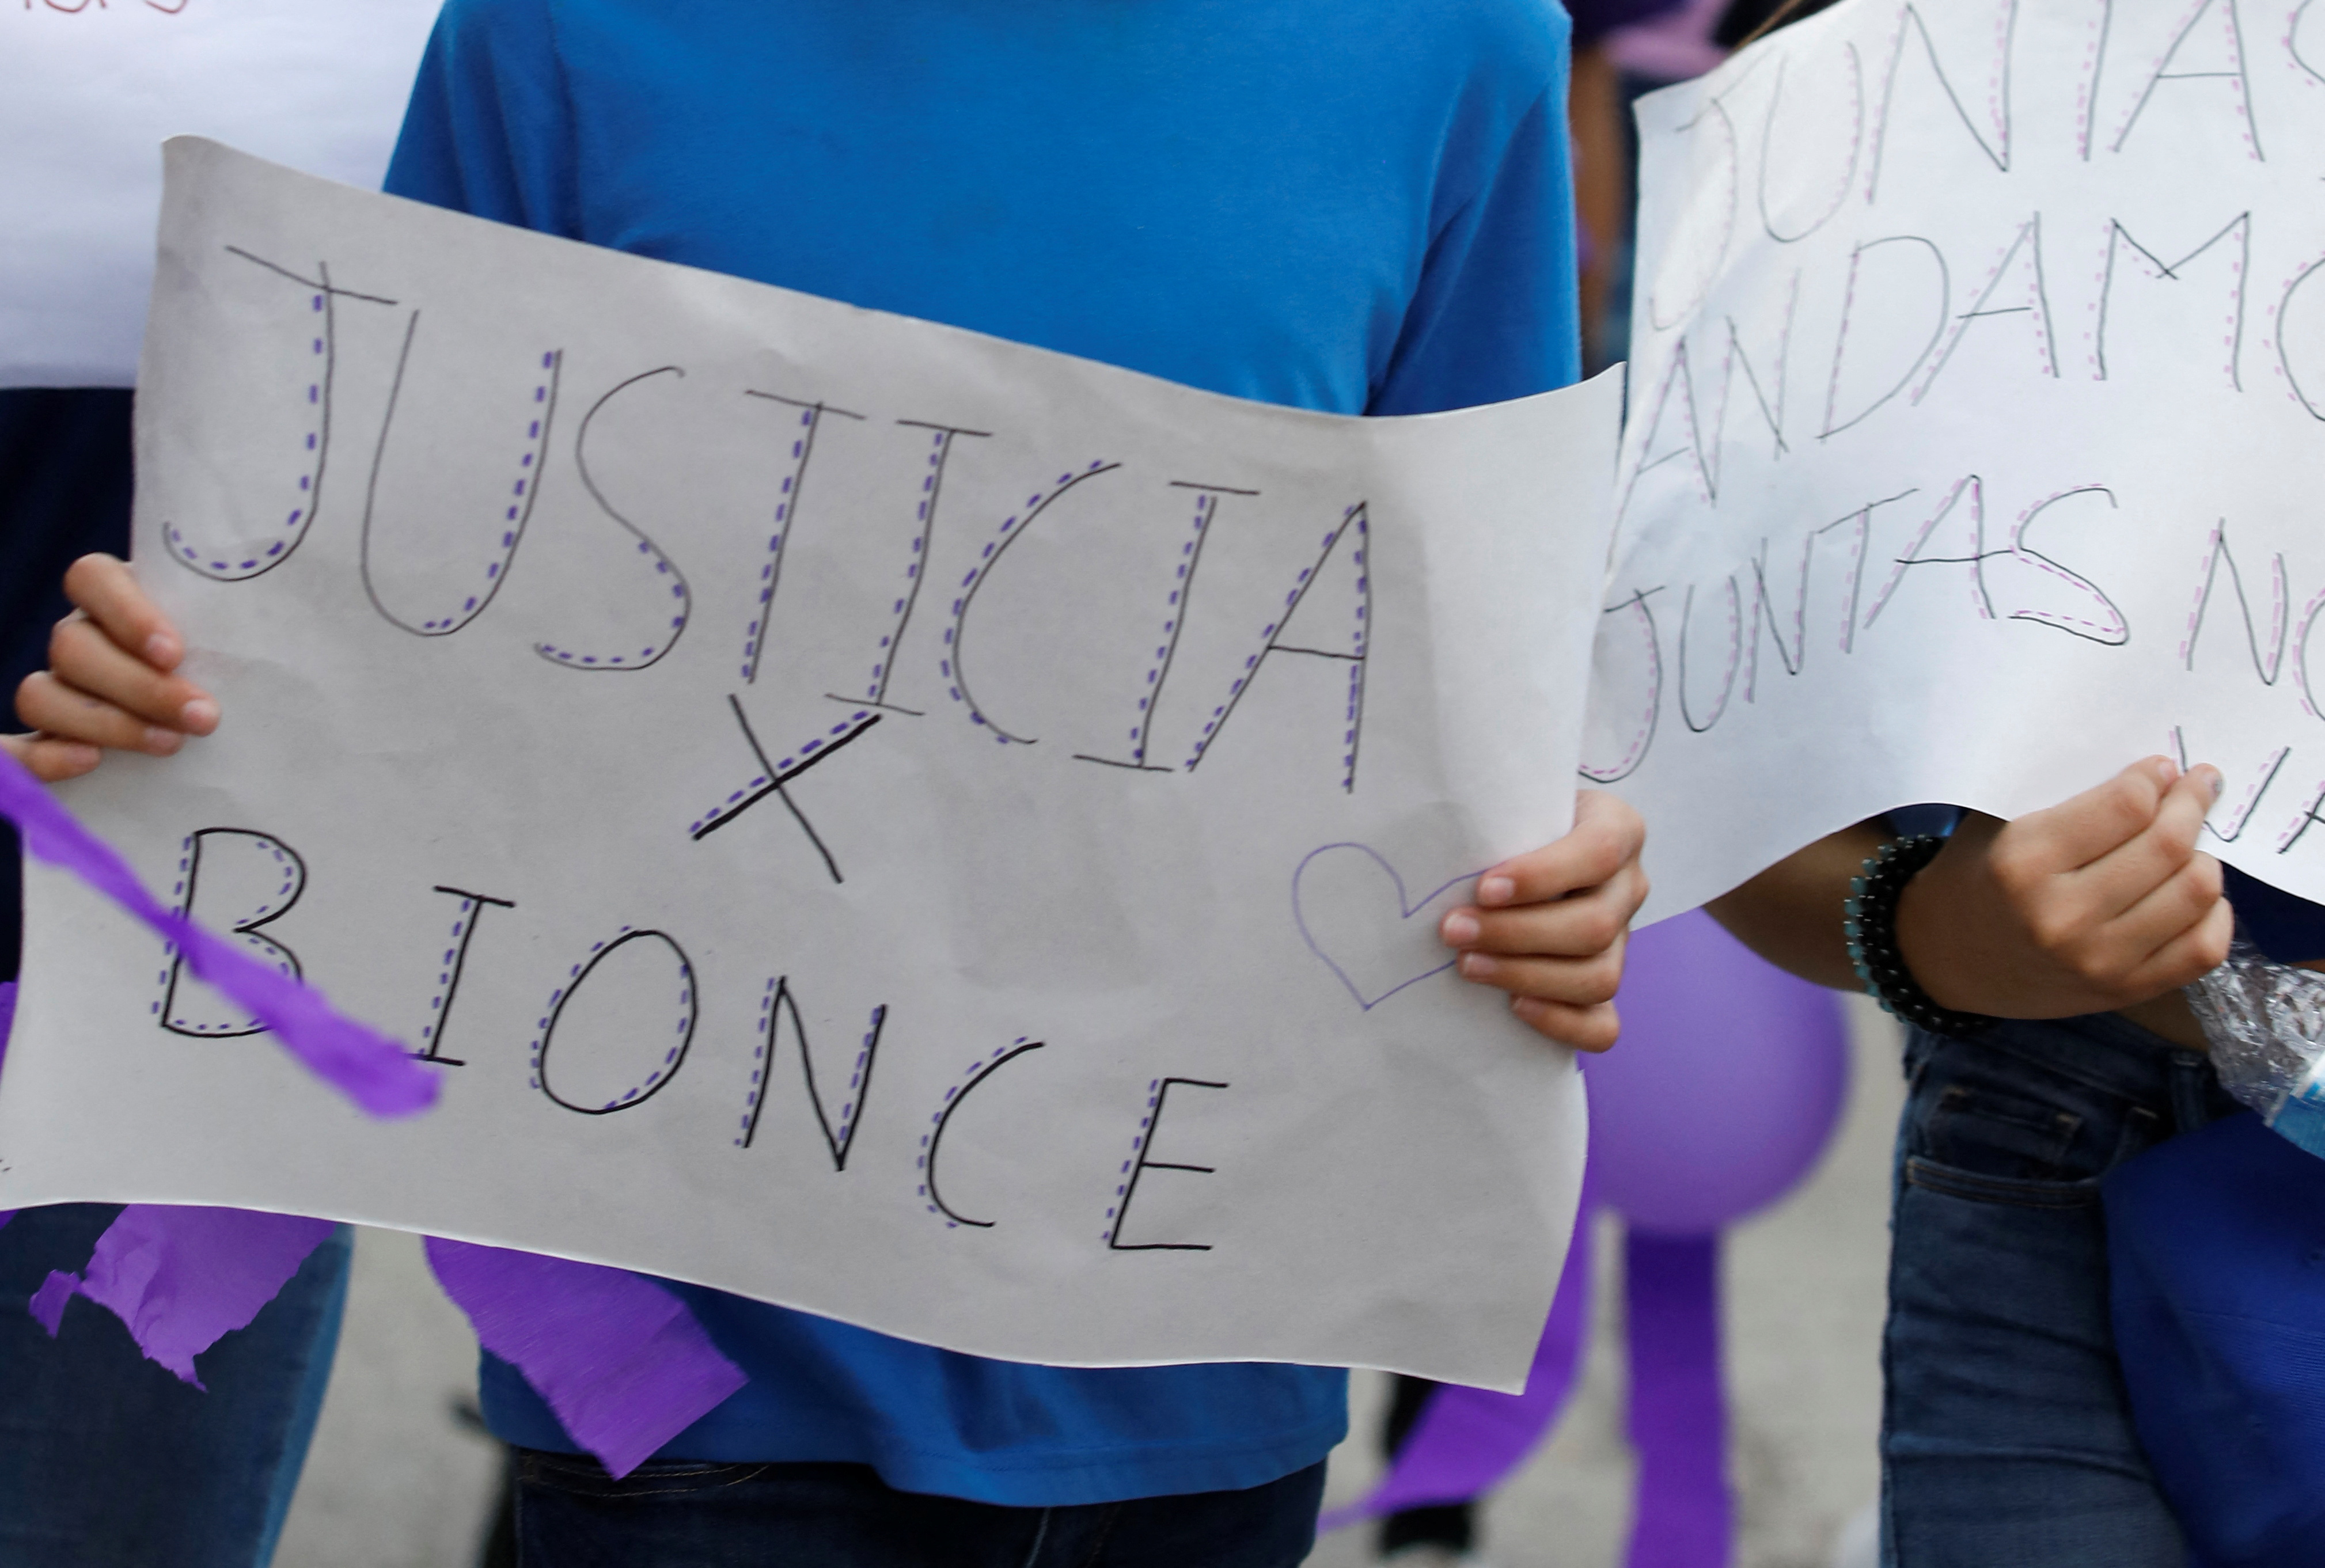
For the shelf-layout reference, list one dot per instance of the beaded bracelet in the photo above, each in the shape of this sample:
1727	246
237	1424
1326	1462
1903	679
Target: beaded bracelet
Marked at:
1870	920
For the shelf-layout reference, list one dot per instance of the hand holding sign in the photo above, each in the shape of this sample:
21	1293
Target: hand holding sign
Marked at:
113	679
1548	927
2097	903
819	793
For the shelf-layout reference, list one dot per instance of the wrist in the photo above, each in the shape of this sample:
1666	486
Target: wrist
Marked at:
1872	917
1923	928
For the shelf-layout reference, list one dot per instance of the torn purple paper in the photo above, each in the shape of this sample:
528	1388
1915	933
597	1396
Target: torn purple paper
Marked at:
181	1278
1685	1517
375	1072
623	1362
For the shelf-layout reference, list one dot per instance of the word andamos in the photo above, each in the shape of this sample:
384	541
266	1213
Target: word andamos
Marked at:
1985	325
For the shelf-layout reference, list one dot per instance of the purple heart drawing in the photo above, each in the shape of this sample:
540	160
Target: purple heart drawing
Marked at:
1338	902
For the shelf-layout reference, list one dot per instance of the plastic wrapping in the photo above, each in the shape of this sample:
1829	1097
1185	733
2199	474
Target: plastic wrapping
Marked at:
2266	1024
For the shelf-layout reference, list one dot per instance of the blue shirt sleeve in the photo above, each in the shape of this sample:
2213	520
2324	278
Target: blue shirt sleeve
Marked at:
1496	315
489	129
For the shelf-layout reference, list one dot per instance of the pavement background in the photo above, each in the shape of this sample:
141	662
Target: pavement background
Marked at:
397	1480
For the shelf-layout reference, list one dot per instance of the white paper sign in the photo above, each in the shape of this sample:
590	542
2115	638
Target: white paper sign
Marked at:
1975	428
89	88
908	826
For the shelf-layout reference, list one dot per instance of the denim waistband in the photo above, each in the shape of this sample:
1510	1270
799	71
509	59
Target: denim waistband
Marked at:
2105	1052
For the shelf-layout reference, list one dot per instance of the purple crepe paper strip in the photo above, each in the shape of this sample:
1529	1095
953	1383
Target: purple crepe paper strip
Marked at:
623	1362
1469	1439
182	1278
1685	1517
368	1067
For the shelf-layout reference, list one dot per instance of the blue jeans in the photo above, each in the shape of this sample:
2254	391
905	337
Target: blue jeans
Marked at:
2005	1435
676	1514
106	1460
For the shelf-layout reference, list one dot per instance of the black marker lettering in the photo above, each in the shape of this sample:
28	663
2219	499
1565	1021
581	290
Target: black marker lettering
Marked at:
2230	67
505	520
954	665
665	577
1997	96
238	560
1181	595
1354	528
455	964
932	1140
618	1088
1150	1128
773	777
1868	293
1973	488
777	1008
2235	237
2103	622
787	507
924	519
2022	261
2217	554
1628	627
242	880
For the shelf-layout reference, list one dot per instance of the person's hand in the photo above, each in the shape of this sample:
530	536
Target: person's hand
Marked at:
1549	927
2097	904
111	680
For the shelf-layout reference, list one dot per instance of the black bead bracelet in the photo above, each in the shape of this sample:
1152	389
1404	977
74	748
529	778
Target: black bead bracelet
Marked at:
1869	917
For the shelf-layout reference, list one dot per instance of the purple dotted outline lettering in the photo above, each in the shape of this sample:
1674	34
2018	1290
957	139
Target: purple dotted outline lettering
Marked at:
1358	518
660	1077
322	358
295	882
932	1140
516	509
956	636
665	571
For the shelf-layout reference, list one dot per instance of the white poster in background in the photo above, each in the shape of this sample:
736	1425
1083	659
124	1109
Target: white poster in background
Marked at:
905	824
89	89
1975	440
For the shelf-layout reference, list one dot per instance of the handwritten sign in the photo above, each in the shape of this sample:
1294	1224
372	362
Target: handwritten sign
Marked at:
900	824
1976	420
87	90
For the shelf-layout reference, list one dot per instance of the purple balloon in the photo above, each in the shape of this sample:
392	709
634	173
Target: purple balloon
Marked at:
1725	1088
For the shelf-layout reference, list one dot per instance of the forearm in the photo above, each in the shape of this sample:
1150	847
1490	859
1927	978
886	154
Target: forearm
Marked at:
1790	914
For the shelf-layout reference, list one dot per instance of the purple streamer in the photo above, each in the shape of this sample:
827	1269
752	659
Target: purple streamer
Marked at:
623	1362
375	1072
1685	1517
1469	1439
181	1278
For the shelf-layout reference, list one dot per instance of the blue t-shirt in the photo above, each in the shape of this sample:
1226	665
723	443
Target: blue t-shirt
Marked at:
1360	206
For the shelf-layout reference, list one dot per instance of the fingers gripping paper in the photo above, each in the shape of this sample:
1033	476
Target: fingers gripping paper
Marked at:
1980	363
896	823
87	90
